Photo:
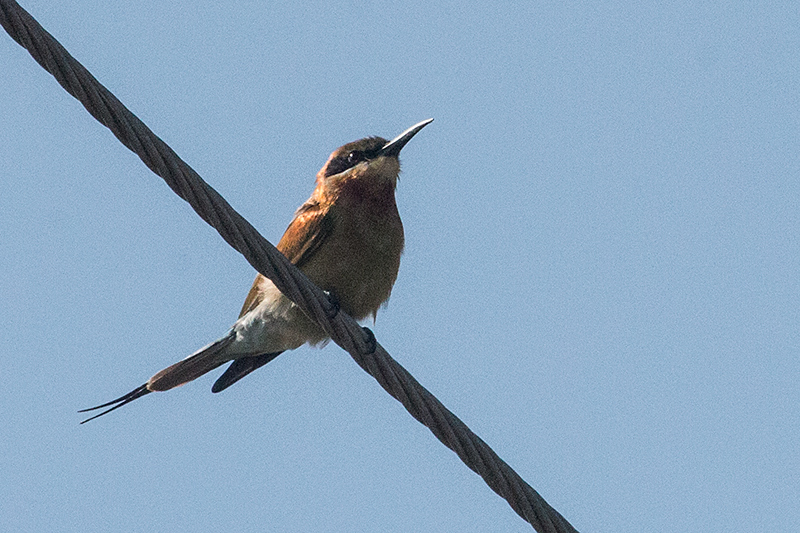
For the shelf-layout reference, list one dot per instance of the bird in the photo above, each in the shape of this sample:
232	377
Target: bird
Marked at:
347	238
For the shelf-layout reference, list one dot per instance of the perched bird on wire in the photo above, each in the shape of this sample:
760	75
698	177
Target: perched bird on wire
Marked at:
347	238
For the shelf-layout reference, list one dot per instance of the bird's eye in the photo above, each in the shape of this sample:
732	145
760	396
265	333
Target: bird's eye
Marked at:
355	157
346	161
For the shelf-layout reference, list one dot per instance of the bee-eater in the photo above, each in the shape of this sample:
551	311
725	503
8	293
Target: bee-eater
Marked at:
347	238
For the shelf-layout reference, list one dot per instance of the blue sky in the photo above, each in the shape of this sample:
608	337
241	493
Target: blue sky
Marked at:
600	277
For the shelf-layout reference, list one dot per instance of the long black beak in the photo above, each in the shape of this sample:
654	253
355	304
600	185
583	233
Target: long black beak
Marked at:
393	147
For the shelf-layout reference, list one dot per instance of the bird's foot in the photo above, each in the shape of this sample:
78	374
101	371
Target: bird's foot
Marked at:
333	310
370	341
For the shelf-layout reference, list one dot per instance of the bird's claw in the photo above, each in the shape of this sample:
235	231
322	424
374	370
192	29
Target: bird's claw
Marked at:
333	310
370	341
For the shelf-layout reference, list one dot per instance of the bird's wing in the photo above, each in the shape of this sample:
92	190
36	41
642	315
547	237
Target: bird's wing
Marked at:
253	297
310	227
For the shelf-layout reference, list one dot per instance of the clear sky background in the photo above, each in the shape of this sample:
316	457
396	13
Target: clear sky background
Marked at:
601	278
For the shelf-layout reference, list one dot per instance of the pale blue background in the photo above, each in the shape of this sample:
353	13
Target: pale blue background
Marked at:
601	274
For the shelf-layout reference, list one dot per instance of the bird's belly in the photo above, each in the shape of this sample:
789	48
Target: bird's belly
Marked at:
274	325
359	268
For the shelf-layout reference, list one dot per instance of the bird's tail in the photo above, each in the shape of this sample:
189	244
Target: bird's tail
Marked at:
240	368
135	394
204	360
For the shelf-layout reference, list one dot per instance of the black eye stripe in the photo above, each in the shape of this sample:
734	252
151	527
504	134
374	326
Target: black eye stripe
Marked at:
334	167
347	161
356	156
354	153
339	164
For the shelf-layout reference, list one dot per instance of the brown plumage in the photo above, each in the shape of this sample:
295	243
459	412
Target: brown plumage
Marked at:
347	238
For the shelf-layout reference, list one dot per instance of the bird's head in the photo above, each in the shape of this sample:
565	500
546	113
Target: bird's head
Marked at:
369	164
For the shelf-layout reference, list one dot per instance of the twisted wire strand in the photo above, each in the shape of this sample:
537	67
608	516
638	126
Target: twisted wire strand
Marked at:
265	258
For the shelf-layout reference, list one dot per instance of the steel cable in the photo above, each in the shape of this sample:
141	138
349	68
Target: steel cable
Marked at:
265	258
